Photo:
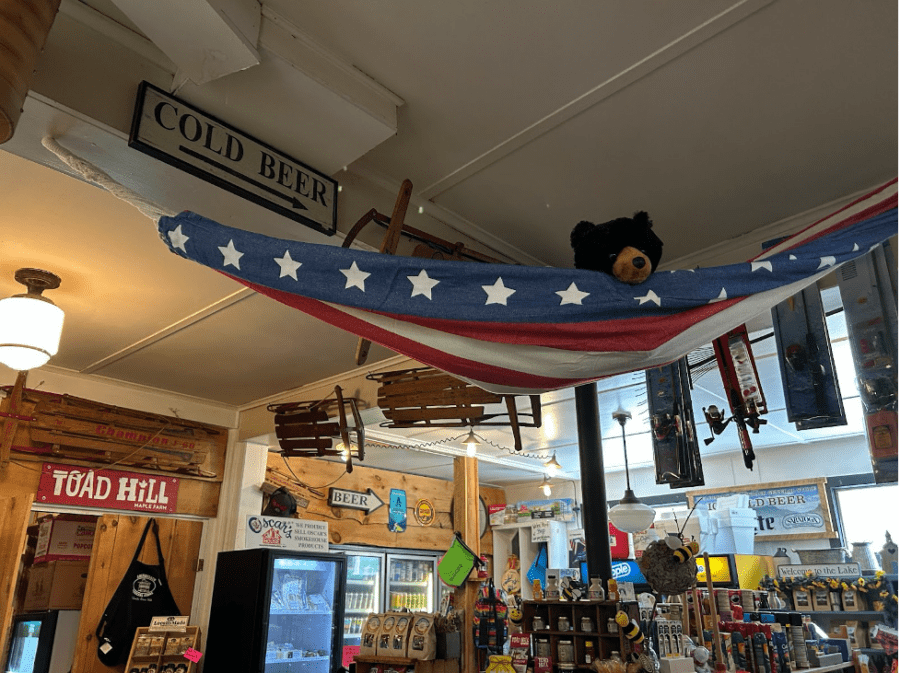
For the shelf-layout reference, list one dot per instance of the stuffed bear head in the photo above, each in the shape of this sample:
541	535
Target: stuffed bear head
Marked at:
625	248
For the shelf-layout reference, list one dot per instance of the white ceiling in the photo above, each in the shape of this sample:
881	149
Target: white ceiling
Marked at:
513	119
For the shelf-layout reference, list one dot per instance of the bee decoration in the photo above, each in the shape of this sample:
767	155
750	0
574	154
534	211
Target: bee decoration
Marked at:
684	552
630	628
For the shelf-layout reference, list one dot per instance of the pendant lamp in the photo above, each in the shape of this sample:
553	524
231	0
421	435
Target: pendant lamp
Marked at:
630	515
30	324
546	488
471	443
552	466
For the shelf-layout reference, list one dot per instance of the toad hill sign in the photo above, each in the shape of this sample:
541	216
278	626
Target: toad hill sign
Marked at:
178	134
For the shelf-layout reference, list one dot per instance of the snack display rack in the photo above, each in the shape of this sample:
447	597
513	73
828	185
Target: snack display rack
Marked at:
162	651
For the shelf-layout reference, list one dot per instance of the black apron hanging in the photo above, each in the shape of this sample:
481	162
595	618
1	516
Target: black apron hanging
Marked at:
142	594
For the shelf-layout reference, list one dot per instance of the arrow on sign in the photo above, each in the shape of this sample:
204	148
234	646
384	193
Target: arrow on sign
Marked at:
290	199
367	502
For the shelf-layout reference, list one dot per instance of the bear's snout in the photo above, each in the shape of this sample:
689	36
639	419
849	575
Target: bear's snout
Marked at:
638	262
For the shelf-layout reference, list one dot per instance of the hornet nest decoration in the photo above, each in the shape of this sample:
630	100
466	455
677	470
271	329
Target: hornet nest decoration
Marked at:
307	428
665	572
427	397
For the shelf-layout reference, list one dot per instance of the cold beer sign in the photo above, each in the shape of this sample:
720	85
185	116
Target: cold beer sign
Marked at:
181	135
110	489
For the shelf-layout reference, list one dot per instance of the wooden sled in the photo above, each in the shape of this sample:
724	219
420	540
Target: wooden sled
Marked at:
428	397
430	247
67	427
305	428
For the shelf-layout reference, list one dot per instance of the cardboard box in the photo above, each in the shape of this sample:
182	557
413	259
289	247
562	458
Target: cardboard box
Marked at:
65	537
57	585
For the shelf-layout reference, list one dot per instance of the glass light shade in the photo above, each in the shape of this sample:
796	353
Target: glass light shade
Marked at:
631	515
471	443
545	487
30	329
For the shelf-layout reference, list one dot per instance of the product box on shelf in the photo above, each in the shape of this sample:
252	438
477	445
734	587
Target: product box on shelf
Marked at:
57	585
64	537
560	509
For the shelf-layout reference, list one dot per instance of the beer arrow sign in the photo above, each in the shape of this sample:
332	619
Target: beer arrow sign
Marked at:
367	502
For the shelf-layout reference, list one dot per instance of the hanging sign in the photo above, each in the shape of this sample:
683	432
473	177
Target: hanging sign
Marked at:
284	532
784	510
397	511
109	489
367	502
181	135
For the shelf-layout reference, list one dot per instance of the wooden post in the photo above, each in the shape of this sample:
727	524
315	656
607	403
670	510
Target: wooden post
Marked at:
713	613
465	521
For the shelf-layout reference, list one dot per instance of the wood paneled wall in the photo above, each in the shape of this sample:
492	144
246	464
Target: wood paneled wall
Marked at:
349	526
115	542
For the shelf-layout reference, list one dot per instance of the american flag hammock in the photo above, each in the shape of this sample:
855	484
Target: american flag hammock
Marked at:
524	329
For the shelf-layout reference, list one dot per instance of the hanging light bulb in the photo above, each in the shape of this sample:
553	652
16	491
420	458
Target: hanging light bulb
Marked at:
630	515
471	443
546	488
552	466
30	324
343	450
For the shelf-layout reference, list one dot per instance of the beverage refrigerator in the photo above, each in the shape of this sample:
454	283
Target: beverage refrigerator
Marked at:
276	611
43	642
381	579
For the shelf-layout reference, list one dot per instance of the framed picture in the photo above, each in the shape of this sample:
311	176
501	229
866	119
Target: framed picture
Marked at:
850	601
786	510
821	600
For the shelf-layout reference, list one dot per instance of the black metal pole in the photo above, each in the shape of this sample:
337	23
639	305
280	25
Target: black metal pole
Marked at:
593	483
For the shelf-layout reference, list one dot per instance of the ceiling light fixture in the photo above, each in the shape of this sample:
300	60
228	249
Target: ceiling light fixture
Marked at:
471	443
546	487
630	515
552	466
30	324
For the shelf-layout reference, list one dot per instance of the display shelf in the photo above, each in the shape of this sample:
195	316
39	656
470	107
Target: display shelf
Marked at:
170	648
858	615
367	664
599	612
294	660
398	583
357	611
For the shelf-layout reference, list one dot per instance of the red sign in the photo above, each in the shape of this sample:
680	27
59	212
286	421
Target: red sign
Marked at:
347	655
110	489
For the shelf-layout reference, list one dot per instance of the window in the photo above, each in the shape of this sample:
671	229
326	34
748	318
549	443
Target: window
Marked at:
867	512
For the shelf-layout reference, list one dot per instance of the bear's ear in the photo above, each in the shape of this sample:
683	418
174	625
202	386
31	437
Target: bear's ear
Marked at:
642	218
579	232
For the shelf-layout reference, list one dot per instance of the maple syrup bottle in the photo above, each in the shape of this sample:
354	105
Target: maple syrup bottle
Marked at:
613	593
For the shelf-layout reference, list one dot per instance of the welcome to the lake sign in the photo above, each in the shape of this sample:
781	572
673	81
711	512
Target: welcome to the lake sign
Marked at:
173	131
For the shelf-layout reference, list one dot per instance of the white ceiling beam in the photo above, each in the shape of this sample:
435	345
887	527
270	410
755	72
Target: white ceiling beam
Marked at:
206	39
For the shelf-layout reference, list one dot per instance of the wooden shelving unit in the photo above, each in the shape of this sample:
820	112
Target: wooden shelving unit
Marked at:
364	664
599	612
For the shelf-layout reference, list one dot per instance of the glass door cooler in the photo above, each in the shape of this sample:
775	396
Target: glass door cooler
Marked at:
411	582
364	590
276	611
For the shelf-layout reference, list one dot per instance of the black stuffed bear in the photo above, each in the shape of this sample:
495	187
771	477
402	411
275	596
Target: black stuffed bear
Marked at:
626	248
